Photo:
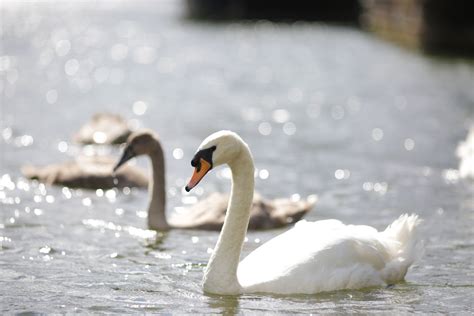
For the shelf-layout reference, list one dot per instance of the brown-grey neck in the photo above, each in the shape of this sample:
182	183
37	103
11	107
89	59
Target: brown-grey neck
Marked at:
157	190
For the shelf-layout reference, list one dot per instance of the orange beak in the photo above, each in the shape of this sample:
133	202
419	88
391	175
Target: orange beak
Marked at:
198	174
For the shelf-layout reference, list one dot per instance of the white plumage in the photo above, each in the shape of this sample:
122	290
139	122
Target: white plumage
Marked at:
312	257
328	255
465	152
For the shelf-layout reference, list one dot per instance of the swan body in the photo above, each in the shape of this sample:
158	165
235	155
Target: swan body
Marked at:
465	152
209	213
334	256
104	128
88	172
312	257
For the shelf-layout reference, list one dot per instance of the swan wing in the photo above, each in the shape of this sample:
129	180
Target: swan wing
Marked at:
316	256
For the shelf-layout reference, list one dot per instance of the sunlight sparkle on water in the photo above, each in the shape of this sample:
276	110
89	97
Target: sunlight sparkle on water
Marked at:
265	128
313	198
22	184
178	153
52	96
337	112
377	187
409	144
281	116
45	250
86	202
24	141
295	95
136	232
353	104
141	214
289	128
71	67
377	134
63	47
340	174
111	195
99	137
263	174
6	182
139	107
7	133
5	62
295	197
62	146
66	192
451	175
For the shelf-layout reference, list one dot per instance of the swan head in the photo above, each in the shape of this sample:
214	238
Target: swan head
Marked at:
217	149
143	142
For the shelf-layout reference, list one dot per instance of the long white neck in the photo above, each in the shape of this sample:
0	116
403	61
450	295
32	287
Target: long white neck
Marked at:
157	191
220	276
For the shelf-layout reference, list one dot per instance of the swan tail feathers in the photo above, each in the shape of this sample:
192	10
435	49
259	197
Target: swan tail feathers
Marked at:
407	247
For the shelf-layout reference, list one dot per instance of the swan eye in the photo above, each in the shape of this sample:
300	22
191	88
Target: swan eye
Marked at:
205	154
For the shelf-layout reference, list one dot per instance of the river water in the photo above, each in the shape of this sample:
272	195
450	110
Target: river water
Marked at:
368	127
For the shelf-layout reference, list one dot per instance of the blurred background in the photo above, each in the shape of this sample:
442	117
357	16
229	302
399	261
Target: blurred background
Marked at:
359	104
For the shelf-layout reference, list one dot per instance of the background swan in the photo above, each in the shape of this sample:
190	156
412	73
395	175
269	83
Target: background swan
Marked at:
104	128
88	172
309	258
209	213
465	152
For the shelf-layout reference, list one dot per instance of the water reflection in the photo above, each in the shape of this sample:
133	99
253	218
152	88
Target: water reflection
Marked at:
227	305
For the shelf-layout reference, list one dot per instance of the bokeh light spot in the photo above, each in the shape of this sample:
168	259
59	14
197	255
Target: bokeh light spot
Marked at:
71	67
178	153
377	134
139	107
265	128
52	96
409	144
289	128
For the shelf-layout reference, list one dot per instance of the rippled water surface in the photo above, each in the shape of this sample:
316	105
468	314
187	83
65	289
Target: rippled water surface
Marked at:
370	128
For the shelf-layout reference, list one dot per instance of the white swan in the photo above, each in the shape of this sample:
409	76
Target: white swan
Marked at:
465	152
309	258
